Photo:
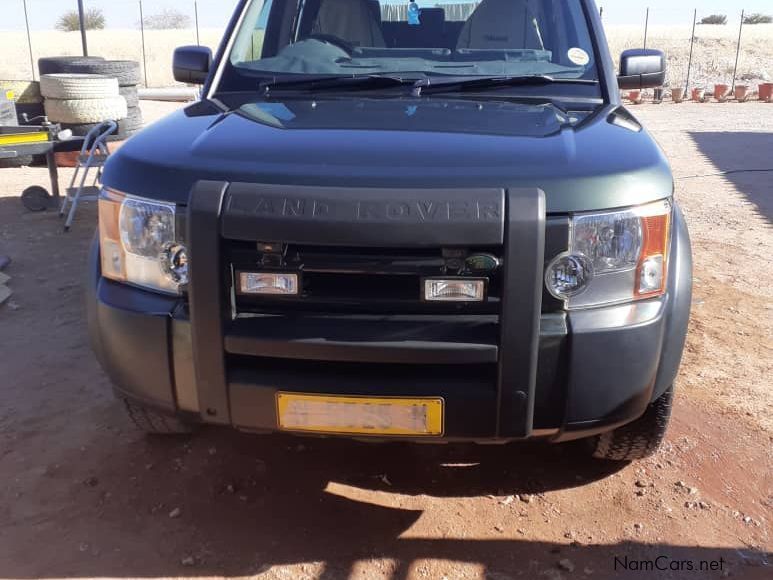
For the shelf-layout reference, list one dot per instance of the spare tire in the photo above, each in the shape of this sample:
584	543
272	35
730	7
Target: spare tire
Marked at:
56	64
78	111
126	71
24	92
131	95
78	86
82	129
134	119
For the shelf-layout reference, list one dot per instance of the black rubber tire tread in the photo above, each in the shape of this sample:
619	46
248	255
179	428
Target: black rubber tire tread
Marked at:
126	71
640	439
134	120
82	129
56	64
156	423
20	161
131	95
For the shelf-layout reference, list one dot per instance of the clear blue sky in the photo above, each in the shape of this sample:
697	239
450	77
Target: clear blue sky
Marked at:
215	13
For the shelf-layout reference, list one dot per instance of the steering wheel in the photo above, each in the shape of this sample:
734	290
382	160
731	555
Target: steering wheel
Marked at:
334	40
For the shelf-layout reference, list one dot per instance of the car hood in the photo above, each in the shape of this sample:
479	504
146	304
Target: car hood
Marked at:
583	161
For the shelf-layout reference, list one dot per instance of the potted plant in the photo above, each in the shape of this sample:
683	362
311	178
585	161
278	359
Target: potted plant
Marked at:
699	95
635	97
766	92
721	92
741	93
677	95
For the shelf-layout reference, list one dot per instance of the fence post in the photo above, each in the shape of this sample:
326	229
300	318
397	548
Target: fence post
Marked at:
692	43
646	26
738	50
196	12
82	18
29	38
144	59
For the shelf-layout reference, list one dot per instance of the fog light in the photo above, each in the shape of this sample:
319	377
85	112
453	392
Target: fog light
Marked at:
568	275
175	263
268	283
455	290
651	275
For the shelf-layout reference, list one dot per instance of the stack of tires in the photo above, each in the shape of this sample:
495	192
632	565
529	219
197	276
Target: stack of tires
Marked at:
125	72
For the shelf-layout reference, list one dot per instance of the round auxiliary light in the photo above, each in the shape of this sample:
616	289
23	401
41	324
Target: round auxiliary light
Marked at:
175	263
568	275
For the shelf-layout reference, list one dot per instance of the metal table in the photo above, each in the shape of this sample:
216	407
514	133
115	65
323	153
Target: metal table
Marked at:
18	141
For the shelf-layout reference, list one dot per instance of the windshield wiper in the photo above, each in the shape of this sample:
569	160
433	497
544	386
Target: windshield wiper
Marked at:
337	82
432	85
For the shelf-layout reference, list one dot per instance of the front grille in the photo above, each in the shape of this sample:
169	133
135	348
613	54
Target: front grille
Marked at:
359	280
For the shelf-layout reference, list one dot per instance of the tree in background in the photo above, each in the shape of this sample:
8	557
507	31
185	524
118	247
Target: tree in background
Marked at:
93	19
715	19
758	19
168	19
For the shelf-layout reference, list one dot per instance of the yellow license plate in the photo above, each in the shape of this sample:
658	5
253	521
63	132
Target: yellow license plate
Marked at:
360	415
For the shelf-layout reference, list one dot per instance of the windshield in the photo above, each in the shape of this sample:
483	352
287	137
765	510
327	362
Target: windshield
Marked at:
410	39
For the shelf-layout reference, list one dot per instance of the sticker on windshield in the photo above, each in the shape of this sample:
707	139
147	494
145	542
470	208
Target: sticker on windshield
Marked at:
578	56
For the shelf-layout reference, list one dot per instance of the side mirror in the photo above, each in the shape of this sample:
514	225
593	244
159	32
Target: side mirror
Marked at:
642	69
191	64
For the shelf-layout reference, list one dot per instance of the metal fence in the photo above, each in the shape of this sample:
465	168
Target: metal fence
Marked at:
697	54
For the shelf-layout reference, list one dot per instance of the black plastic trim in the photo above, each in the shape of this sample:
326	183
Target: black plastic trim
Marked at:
521	306
206	299
366	339
364	217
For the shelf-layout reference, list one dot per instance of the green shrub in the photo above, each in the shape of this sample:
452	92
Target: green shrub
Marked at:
168	19
715	19
93	18
758	19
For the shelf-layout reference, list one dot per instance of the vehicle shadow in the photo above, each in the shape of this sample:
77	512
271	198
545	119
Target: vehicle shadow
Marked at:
746	157
252	504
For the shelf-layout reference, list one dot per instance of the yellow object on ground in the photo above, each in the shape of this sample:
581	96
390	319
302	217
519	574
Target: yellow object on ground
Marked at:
11	139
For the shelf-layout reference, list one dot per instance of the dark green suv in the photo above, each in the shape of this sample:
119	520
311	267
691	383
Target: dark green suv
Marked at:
399	220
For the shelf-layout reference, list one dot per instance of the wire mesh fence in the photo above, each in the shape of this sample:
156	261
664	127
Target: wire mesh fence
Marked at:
149	30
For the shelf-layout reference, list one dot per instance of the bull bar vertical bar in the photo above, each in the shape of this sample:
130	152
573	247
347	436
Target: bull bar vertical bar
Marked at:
206	299
523	276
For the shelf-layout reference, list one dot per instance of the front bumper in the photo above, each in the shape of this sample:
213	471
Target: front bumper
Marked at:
585	373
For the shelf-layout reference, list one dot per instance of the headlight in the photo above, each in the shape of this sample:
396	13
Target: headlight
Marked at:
614	257
138	243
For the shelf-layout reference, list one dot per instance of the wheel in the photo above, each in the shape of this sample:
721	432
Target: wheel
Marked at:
57	64
134	120
155	423
79	111
126	71
82	129
637	440
36	198
78	86
132	96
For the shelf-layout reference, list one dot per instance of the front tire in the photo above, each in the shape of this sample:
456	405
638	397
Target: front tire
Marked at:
155	423
637	440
